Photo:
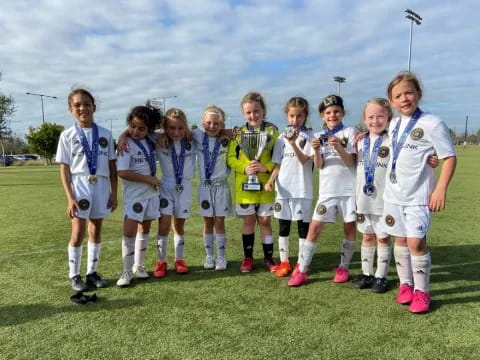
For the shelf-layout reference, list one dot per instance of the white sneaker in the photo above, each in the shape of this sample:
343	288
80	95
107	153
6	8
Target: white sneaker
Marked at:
125	279
209	263
221	264
140	272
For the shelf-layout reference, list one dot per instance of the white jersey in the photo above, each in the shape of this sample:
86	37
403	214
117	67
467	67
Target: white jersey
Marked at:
164	156
415	178
70	151
221	171
294	179
336	178
135	161
372	204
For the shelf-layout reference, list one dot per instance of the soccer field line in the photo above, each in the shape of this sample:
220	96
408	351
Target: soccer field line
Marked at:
4	256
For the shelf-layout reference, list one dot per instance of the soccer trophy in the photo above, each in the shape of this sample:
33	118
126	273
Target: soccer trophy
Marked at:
252	143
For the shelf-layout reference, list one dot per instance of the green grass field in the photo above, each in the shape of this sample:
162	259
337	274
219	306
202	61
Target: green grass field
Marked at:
227	315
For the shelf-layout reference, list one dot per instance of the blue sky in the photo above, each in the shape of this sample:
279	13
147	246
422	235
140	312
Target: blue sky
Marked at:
213	52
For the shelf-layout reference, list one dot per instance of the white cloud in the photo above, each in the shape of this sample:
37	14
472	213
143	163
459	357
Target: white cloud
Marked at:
208	52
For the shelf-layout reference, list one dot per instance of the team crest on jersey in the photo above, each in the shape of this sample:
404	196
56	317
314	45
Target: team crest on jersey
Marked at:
383	151
188	146
278	207
137	207
224	142
103	142
416	134
389	220
163	203
244	206
205	205
321	209
344	142
84	204
360	218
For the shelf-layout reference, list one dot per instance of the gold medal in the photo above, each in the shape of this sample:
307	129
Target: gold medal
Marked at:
92	179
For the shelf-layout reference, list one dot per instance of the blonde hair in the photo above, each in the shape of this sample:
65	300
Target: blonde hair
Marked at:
254	97
380	102
176	114
215	110
407	76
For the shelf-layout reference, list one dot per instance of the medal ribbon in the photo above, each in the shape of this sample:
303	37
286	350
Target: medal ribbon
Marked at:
208	161
397	147
370	160
332	132
178	161
91	155
149	155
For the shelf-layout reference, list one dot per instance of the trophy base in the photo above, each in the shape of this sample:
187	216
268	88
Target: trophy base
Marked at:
252	187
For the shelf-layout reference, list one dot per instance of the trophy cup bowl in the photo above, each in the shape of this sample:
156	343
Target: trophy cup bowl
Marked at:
252	143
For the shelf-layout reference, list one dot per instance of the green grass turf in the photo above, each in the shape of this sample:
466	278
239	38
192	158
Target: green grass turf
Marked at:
227	315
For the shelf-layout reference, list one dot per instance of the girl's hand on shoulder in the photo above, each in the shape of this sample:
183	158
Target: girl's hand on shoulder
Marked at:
122	145
357	138
433	161
229	133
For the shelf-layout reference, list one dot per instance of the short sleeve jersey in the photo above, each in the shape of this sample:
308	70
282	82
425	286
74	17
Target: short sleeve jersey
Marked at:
336	178
415	178
372	204
135	161
295	180
164	156
221	171
70	151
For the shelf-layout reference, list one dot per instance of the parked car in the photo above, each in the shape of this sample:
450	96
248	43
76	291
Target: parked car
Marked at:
5	160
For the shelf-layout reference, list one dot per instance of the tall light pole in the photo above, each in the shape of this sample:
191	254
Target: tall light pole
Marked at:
417	19
41	100
339	80
164	98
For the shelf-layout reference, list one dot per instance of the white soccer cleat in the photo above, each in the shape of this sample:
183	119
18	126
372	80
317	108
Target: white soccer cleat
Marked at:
125	279
140	272
209	263
221	264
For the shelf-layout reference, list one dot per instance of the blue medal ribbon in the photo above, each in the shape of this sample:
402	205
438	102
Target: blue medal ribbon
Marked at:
208	161
178	161
149	155
369	162
397	147
331	132
91	155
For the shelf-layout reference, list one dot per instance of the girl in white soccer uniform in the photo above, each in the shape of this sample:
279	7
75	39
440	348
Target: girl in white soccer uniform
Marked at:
335	155
293	178
410	191
137	168
214	197
87	168
373	156
176	155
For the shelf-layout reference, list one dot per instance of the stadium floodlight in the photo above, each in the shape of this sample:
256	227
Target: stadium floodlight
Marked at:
339	80
417	19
